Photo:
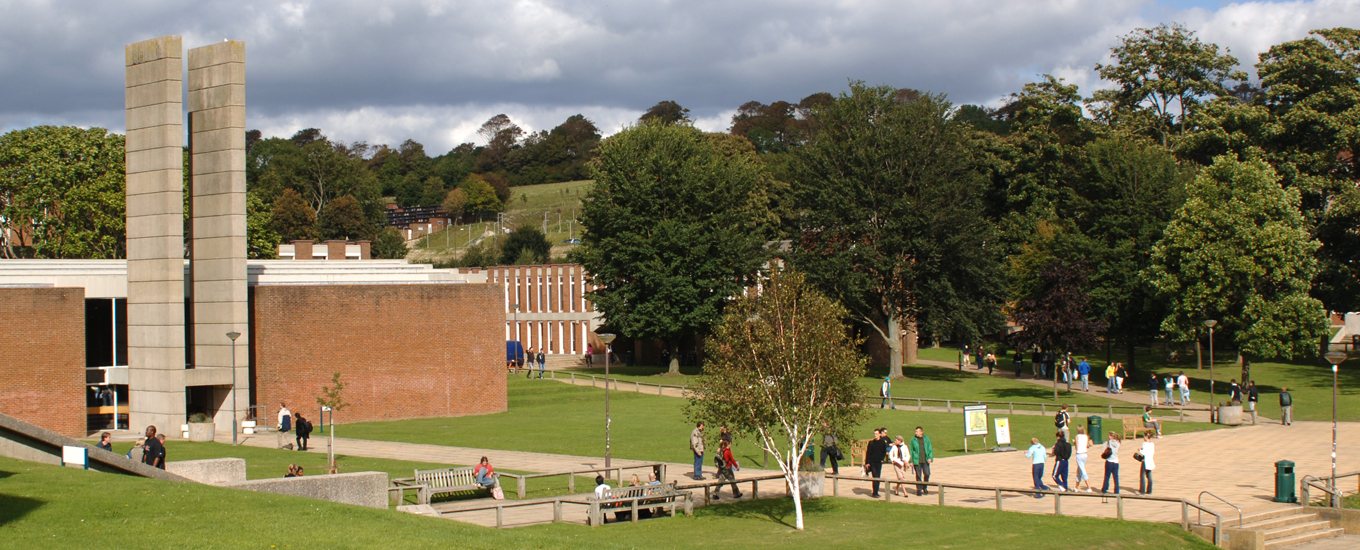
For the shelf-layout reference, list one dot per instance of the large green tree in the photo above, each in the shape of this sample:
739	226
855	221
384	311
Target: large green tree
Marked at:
525	245
889	208
1238	252
675	227
1162	74
61	187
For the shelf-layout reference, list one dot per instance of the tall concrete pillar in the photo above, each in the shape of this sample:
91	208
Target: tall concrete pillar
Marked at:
155	233
217	128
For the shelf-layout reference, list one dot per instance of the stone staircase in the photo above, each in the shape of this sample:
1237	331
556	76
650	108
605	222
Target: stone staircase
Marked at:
1288	527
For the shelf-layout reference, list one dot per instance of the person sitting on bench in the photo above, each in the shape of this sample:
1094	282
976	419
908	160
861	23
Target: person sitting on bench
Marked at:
1151	423
485	474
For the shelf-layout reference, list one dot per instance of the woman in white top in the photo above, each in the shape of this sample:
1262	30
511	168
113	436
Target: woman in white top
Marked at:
1148	451
1083	445
897	453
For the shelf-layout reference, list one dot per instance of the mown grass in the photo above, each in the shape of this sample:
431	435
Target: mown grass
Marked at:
528	204
50	507
553	417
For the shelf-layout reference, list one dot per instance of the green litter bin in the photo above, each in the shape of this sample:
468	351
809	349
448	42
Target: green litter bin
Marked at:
1284	482
1093	429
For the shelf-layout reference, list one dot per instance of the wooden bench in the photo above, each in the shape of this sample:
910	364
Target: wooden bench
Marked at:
441	481
632	500
1134	428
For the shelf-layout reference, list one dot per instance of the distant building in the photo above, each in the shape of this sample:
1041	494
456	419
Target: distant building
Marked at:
417	221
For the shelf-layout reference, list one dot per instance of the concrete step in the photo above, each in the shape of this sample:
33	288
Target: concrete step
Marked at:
1278	521
1287	531
1273	513
1306	537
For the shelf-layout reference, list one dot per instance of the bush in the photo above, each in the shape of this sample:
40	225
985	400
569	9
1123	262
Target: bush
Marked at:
199	418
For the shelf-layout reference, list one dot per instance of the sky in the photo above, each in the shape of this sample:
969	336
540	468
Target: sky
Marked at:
435	70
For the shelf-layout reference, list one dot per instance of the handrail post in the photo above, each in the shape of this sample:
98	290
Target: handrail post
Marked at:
1110	409
939	492
1057	504
499	513
1119	504
948	406
1043	409
1185	515
519	483
836	486
998	499
1012	405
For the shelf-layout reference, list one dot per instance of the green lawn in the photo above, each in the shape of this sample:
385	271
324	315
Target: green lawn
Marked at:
50	507
561	202
558	418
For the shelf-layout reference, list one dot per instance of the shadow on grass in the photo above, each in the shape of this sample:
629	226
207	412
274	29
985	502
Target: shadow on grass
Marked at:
775	510
15	507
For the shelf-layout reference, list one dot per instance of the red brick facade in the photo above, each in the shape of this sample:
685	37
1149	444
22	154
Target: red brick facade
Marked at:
42	357
403	351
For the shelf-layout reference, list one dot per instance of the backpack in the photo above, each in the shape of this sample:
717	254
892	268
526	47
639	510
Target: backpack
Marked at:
1058	420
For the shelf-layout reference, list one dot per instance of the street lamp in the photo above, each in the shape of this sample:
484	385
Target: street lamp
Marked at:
1335	358
1211	323
607	338
519	346
233	335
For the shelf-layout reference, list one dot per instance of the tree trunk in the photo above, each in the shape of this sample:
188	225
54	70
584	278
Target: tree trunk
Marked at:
674	366
894	341
1199	359
909	344
1129	349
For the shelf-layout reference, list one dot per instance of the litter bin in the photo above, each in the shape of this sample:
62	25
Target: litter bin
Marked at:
1284	482
1093	429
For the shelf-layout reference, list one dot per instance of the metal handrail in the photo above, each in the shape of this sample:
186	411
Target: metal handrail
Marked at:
1200	501
1057	498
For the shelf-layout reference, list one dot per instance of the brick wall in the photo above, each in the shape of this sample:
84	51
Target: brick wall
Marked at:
403	351
42	357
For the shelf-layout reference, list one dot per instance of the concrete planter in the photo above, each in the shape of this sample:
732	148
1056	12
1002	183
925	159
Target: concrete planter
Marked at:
810	484
1230	415
202	431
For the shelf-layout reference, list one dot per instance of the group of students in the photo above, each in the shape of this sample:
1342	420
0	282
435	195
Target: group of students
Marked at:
1063	452
294	422
915	455
149	449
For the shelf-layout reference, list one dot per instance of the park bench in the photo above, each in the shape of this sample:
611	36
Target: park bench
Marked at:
440	481
1133	427
632	500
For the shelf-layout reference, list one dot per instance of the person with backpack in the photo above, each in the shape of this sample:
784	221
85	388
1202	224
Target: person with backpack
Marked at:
1062	420
727	468
303	431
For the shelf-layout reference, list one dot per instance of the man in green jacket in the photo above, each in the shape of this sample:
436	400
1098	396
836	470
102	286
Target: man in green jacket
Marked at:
922	454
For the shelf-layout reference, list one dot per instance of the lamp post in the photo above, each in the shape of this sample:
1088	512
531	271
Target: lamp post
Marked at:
1335	358
607	338
233	335
519	346
1212	410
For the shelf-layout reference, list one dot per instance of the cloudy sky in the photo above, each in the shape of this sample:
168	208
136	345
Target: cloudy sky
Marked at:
435	70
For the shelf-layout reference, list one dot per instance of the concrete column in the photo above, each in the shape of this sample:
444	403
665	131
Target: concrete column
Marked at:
217	124
155	232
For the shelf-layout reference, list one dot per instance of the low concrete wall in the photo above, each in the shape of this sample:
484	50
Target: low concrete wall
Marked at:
1343	518
359	488
24	441
215	471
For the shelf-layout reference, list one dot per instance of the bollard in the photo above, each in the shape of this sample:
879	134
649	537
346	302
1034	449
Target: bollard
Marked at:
998	500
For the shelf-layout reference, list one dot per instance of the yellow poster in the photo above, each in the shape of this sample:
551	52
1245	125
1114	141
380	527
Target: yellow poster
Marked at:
975	420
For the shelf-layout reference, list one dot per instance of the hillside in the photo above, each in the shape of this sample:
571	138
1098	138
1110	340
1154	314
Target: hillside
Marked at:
554	205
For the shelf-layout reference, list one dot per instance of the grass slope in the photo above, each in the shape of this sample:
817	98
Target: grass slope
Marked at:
553	417
46	506
528	204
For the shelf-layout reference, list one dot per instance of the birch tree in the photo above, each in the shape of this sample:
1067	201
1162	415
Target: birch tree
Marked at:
781	367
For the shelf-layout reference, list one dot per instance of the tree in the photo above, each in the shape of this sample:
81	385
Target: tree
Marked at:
525	243
62	188
666	111
481	200
389	245
889	206
1057	314
293	218
455	202
333	398
1238	252
674	228
1163	74
344	220
782	366
501	135
262	242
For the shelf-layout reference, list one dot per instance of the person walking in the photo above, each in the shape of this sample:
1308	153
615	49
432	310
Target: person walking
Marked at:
831	450
1111	456
977	354
874	454
1062	453
897	456
1120	373
1111	371
1062	420
1084	370
303	432
1038	457
727	468
696	446
1234	392
922	454
1145	456
991	363
1170	382
542	361
1253	395
1080	452
1154	389
885	390
1286	407
1184	382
